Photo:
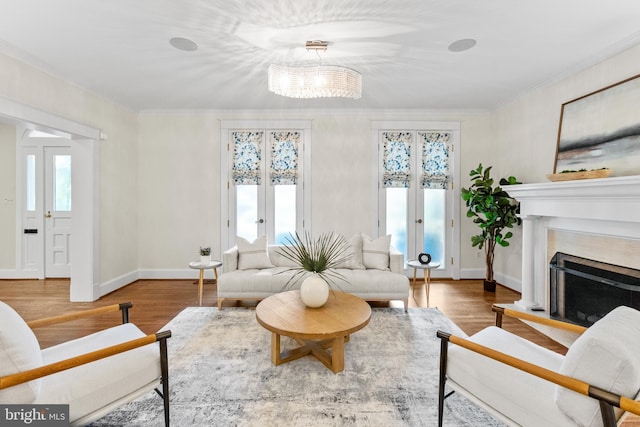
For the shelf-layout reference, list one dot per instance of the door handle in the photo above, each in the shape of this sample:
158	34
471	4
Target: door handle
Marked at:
260	221
48	214
419	221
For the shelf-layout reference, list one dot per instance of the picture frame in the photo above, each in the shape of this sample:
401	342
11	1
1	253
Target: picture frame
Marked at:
601	130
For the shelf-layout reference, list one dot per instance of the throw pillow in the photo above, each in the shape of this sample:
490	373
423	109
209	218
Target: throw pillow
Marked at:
19	351
253	254
354	254
375	253
606	356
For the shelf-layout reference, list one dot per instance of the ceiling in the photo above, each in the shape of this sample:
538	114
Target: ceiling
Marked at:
120	48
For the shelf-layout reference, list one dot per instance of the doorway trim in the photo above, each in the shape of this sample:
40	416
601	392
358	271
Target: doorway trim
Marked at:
85	196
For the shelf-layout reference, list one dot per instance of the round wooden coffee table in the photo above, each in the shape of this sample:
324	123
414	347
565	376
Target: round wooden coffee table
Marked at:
316	329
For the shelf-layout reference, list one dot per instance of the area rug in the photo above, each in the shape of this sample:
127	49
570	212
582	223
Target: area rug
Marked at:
221	375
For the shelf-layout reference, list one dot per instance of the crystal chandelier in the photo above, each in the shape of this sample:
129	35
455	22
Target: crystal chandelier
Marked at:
321	81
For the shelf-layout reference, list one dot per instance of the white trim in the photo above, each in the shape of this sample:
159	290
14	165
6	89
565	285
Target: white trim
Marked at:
175	274
18	114
19	274
85	243
472	273
117	283
383	113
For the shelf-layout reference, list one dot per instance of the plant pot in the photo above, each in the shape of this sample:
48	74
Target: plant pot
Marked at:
490	286
205	259
314	291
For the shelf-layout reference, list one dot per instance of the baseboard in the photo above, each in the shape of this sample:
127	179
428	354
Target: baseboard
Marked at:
18	274
152	274
509	282
176	274
504	280
117	283
472	273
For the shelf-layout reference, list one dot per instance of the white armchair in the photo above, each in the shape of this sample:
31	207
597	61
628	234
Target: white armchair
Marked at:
524	384
93	374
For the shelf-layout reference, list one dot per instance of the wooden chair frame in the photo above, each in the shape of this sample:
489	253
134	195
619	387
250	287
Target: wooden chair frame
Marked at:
606	399
52	368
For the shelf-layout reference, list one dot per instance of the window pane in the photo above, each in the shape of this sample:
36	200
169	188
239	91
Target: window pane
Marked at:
434	224
247	211
62	185
31	182
397	218
285	212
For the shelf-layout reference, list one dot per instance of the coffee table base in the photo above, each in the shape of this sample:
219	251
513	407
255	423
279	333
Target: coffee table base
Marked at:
333	360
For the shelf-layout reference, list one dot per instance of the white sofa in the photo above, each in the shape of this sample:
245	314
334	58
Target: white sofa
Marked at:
384	283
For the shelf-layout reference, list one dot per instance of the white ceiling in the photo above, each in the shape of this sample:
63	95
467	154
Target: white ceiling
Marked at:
120	48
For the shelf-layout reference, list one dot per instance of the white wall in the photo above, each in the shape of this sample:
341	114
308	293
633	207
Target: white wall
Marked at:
159	172
524	135
118	156
179	189
179	178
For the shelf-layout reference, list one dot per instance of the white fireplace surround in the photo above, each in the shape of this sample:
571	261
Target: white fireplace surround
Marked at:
608	207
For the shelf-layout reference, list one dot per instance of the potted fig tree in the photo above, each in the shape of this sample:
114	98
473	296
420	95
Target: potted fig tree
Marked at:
493	210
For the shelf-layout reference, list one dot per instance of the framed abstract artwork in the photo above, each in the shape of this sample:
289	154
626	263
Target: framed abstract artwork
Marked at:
601	130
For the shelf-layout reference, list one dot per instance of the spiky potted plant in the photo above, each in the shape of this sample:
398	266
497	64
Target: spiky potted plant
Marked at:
493	210
319	256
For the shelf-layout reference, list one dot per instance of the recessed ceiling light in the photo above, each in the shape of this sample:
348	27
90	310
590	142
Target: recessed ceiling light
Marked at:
181	43
462	45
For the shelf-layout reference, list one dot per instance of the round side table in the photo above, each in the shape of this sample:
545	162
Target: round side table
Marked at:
202	267
426	268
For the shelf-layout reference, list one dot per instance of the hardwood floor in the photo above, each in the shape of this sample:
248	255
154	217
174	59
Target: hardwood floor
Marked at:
155	302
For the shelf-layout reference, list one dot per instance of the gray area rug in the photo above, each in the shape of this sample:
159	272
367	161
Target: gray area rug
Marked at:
221	375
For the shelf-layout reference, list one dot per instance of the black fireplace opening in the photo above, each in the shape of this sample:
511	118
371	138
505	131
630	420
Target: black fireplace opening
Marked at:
584	290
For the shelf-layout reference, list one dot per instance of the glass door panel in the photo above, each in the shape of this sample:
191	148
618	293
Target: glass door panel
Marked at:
285	216
434	209
396	224
62	183
247	211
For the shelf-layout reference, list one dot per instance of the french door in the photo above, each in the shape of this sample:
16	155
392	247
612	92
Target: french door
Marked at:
265	173
416	200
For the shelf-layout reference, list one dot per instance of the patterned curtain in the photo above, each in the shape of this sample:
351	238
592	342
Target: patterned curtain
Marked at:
246	157
397	159
435	159
284	158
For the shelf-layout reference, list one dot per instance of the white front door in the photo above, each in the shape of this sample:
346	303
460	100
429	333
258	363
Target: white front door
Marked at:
47	207
57	206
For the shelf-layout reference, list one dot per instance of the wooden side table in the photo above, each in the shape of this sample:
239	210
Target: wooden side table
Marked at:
202	267
315	329
426	269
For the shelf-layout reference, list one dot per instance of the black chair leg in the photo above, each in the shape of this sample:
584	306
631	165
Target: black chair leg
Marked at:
164	370
608	415
444	346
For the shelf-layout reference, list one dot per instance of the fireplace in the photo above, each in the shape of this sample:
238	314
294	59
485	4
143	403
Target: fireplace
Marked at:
583	290
593	219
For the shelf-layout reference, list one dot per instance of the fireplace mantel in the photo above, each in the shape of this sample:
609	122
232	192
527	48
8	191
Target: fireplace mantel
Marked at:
608	199
604	206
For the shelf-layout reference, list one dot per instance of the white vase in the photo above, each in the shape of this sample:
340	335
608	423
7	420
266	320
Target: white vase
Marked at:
314	291
205	259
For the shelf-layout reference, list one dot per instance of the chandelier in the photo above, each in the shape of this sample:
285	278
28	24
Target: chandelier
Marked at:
321	81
